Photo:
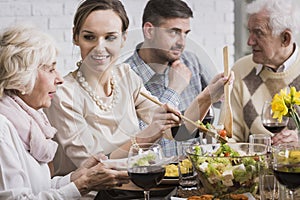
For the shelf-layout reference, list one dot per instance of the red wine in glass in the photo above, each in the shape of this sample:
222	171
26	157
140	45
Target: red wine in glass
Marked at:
145	166
270	123
274	127
286	166
289	179
147	177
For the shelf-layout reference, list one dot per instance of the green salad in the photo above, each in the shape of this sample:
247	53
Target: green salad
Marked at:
226	170
145	160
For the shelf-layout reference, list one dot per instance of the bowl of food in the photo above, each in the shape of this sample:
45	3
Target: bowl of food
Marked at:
172	170
231	168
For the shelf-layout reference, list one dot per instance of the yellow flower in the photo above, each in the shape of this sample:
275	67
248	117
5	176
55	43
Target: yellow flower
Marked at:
295	96
278	107
283	105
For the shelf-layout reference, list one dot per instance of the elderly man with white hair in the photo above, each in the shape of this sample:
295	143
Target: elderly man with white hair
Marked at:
273	65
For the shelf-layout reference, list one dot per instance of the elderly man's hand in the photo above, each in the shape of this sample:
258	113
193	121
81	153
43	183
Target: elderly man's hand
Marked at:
285	136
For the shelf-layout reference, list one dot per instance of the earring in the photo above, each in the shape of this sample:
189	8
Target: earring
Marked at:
79	63
23	93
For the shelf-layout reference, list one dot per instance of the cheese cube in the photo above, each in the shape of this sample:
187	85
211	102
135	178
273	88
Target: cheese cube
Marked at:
227	182
203	167
227	175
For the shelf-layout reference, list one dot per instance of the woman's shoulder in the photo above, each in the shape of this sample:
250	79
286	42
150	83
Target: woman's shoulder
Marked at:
70	83
127	78
69	79
124	70
5	126
68	88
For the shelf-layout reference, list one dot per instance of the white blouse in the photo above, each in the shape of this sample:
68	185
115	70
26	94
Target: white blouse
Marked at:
84	129
22	177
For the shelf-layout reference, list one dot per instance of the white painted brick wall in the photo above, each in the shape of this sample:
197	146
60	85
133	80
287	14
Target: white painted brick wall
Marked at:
212	25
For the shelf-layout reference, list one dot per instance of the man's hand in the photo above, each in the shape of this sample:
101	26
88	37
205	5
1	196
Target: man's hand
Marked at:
179	76
285	136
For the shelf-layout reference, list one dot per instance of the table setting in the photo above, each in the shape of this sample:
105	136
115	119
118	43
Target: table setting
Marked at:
254	171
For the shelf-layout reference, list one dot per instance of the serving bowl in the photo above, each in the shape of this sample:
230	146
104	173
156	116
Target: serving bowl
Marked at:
231	168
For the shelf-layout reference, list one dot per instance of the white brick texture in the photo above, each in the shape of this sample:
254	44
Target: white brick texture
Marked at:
212	25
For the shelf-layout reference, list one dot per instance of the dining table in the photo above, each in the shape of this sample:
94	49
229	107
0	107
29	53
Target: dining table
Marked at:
130	191
167	190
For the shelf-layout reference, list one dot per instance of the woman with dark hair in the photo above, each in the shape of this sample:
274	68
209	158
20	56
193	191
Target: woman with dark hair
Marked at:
97	108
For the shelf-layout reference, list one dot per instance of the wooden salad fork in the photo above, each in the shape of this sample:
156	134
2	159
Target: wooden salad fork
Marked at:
211	132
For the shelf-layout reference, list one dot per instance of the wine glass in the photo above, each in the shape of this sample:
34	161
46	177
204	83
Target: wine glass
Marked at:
286	166
270	123
146	168
268	186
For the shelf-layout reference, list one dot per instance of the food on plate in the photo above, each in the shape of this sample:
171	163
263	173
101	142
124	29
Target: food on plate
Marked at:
236	197
211	197
172	170
223	169
202	197
147	159
185	167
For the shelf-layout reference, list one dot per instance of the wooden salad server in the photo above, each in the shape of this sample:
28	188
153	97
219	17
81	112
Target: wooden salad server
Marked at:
226	112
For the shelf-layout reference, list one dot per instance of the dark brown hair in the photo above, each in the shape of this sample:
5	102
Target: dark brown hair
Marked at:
158	10
88	6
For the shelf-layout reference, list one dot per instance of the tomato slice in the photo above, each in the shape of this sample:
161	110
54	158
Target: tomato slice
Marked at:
223	133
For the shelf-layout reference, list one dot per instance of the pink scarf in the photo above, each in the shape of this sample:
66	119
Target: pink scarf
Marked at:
32	126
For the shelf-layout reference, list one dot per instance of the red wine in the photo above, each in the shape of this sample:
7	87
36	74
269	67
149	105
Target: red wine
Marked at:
289	179
147	177
274	127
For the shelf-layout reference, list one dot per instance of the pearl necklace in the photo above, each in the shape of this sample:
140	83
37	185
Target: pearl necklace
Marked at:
103	106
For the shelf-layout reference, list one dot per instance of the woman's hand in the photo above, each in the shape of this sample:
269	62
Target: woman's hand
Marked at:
285	136
216	86
93	175
165	117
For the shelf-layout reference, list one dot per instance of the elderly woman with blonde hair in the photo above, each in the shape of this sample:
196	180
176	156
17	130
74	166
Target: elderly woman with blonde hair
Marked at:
28	81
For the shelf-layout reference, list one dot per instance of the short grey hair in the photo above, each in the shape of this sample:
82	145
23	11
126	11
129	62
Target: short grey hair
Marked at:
23	49
283	14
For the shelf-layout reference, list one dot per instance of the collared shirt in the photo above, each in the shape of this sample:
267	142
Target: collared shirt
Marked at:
157	84
285	65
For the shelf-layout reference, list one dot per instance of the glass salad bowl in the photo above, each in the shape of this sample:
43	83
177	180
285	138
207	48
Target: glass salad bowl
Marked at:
231	168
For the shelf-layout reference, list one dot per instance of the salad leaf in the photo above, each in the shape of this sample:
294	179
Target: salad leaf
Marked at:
146	159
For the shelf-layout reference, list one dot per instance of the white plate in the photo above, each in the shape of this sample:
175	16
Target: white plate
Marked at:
119	164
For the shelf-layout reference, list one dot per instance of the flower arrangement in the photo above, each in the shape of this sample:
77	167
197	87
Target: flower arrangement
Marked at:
283	104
